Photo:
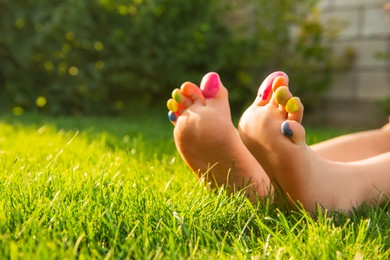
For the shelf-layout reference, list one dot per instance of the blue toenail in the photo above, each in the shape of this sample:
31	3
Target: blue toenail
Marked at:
286	130
172	117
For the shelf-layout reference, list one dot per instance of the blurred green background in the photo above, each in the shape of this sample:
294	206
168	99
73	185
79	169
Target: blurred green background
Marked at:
113	56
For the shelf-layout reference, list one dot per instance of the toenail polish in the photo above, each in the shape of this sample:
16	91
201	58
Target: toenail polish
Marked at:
210	85
176	95
292	105
266	87
172	116
265	90
280	97
286	130
172	105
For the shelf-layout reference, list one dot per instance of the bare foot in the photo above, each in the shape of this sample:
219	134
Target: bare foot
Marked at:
271	130
208	141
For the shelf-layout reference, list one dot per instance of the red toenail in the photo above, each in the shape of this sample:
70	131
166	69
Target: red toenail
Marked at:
266	87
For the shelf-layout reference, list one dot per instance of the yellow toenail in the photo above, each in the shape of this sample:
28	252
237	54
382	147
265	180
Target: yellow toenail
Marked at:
172	105
292	105
176	95
280	96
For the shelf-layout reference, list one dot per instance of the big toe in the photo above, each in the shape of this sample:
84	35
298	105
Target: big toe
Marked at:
213	89
264	93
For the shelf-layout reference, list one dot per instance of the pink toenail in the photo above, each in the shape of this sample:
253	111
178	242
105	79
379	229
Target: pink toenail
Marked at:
266	87
210	85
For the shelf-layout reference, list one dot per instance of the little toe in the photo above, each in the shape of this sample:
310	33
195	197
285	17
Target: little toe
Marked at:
264	93
295	131
294	108
173	117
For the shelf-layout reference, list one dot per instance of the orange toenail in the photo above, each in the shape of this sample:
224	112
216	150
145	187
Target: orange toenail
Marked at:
292	105
279	82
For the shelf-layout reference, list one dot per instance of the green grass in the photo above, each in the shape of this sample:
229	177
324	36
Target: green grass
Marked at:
116	188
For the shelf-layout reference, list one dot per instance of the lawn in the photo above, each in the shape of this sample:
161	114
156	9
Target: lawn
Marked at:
116	188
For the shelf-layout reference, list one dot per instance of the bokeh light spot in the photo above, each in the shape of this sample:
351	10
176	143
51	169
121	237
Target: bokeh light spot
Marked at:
70	36
48	65
99	64
17	110
99	46
41	101
74	71
20	23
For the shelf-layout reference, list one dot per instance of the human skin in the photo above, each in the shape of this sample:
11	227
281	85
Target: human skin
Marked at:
273	133
209	143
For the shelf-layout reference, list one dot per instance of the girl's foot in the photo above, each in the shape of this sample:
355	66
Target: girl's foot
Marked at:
208	141
271	130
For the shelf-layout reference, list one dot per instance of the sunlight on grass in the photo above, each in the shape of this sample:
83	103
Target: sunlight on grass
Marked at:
96	188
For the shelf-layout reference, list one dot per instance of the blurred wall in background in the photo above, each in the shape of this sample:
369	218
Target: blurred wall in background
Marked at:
360	94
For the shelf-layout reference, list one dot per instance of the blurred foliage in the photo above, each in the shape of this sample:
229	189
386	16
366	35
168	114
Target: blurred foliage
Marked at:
105	56
385	105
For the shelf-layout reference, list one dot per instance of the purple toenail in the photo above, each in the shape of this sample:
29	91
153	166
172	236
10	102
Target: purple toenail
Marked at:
286	130
210	85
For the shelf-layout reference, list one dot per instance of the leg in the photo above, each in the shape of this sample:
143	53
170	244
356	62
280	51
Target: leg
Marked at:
272	131
208	141
359	145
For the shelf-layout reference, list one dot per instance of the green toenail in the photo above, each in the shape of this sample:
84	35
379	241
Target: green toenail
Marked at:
176	95
292	105
280	97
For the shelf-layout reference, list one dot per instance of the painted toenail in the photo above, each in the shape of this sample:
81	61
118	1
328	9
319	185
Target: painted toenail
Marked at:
292	105
176	95
279	81
210	85
280	97
172	116
266	87
286	130
173	105
265	90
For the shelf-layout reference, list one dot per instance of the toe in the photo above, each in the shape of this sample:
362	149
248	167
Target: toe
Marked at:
210	85
265	90
294	108
180	98
213	89
173	117
296	115
295	131
282	95
193	92
173	106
